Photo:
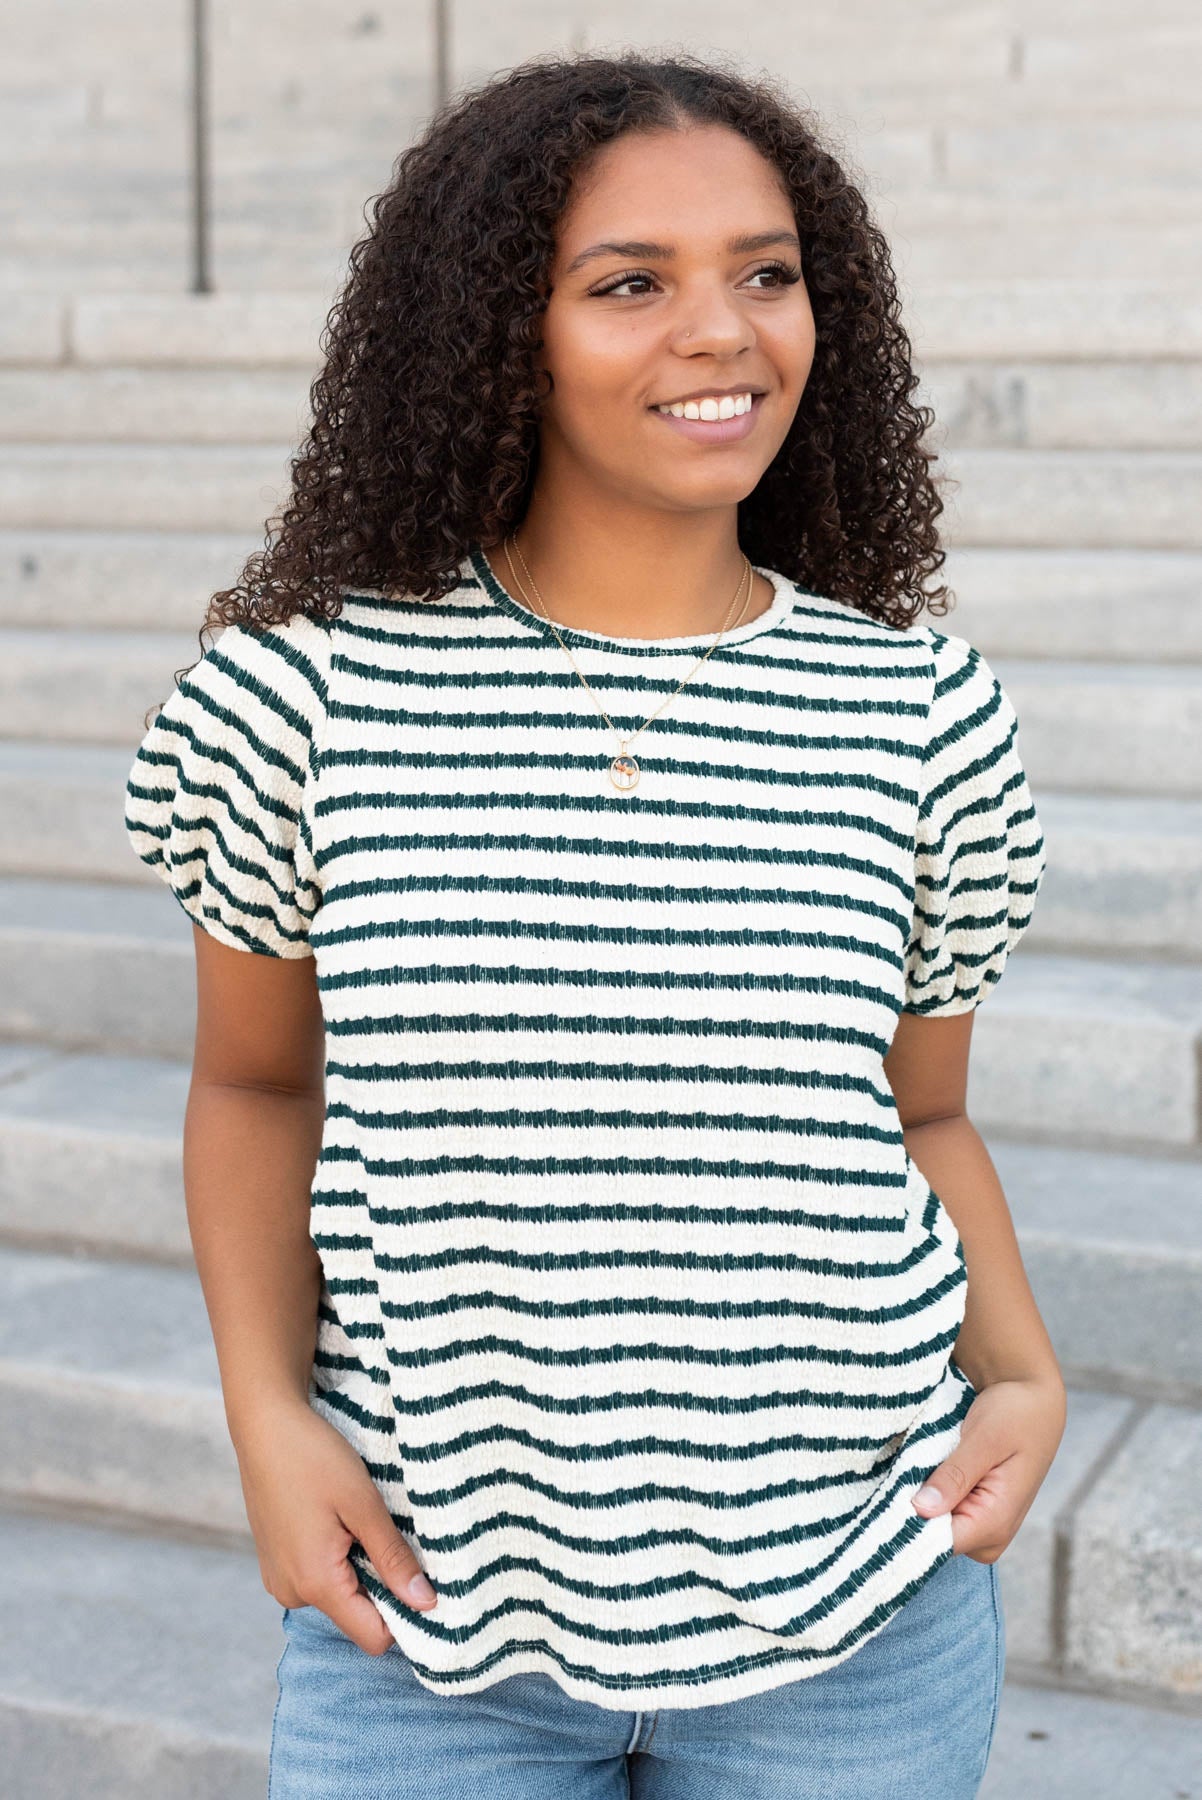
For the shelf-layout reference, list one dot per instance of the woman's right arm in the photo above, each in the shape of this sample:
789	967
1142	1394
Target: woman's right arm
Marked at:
252	1136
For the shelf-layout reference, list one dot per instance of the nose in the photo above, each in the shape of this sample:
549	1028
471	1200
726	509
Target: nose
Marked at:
711	321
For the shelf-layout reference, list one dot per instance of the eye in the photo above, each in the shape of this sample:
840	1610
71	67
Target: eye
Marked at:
786	273
622	281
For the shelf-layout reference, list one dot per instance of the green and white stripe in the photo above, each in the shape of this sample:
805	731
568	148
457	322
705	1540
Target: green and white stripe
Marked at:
635	1306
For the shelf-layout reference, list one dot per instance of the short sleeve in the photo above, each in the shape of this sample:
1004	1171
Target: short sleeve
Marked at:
979	847
216	799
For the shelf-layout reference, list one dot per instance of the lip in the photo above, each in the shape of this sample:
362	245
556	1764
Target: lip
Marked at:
715	431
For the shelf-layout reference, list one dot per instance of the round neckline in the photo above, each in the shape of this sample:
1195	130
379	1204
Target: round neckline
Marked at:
784	598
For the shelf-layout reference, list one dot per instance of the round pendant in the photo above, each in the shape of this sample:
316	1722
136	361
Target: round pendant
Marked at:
624	771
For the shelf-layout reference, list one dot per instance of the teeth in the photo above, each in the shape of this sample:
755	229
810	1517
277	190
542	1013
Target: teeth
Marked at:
729	406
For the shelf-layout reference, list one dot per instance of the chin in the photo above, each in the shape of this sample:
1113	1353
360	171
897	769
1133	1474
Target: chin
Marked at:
700	495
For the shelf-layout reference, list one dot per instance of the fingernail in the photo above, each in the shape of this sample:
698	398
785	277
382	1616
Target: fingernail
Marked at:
419	1590
927	1496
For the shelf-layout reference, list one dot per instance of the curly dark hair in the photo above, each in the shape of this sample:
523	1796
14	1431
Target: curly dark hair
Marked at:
425	416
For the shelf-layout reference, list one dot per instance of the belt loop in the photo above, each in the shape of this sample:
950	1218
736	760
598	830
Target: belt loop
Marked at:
634	1736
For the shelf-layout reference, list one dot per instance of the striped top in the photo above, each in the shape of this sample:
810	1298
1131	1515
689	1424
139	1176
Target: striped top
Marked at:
634	1304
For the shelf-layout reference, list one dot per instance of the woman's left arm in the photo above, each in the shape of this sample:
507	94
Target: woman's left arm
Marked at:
1012	1430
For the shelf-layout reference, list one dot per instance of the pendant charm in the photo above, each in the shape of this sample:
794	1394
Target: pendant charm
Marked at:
624	771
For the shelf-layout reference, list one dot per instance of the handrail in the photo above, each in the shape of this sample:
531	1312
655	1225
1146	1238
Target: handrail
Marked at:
201	278
442	51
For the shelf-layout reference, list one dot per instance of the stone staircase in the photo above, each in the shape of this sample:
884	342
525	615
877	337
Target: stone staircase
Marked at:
1035	168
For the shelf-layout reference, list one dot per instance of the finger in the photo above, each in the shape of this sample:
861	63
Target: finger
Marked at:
948	1483
389	1551
974	1538
989	1515
358	1618
981	1524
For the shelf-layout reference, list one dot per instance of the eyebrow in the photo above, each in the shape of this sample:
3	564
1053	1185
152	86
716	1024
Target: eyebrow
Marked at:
744	245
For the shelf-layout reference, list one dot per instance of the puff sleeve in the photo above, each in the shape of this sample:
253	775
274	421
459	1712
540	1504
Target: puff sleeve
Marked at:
217	800
979	847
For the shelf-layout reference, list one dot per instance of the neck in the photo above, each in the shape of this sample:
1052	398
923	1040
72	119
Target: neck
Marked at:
667	575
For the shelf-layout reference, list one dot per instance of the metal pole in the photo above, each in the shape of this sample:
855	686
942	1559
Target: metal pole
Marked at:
442	51
201	283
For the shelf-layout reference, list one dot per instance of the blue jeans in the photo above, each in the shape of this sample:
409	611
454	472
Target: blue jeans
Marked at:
909	1714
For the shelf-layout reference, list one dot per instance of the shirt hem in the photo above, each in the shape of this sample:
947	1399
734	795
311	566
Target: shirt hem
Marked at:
748	1676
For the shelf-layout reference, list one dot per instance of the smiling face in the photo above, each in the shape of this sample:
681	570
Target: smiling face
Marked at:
676	284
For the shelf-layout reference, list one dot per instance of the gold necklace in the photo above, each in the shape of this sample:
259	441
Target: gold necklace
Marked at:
623	769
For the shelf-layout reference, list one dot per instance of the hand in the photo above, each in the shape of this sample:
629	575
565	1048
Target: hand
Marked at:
1008	1438
308	1498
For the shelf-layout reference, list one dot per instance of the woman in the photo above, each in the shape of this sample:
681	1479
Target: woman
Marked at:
624	864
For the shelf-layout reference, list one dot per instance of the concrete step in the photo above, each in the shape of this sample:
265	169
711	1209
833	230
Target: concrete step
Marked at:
869	106
90	1159
52	271
93	687
1090	1052
1080	248
1079	498
1055	1744
372	48
307	202
858	101
134	1666
59	131
961	319
127	173
1119	319
46	107
260	256
1032	319
1072	605
109	1391
1011	405
251	160
1097	1583
971	44
128	580
207	487
161	406
33	330
368	49
1032	1567
91	1153
321	219
260	329
1028	157
1047	318
62	811
97	966
1134	1554
980	405
1112	1244
1098	606
1108	727
1070	1049
1125	872
933	208
1124	876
